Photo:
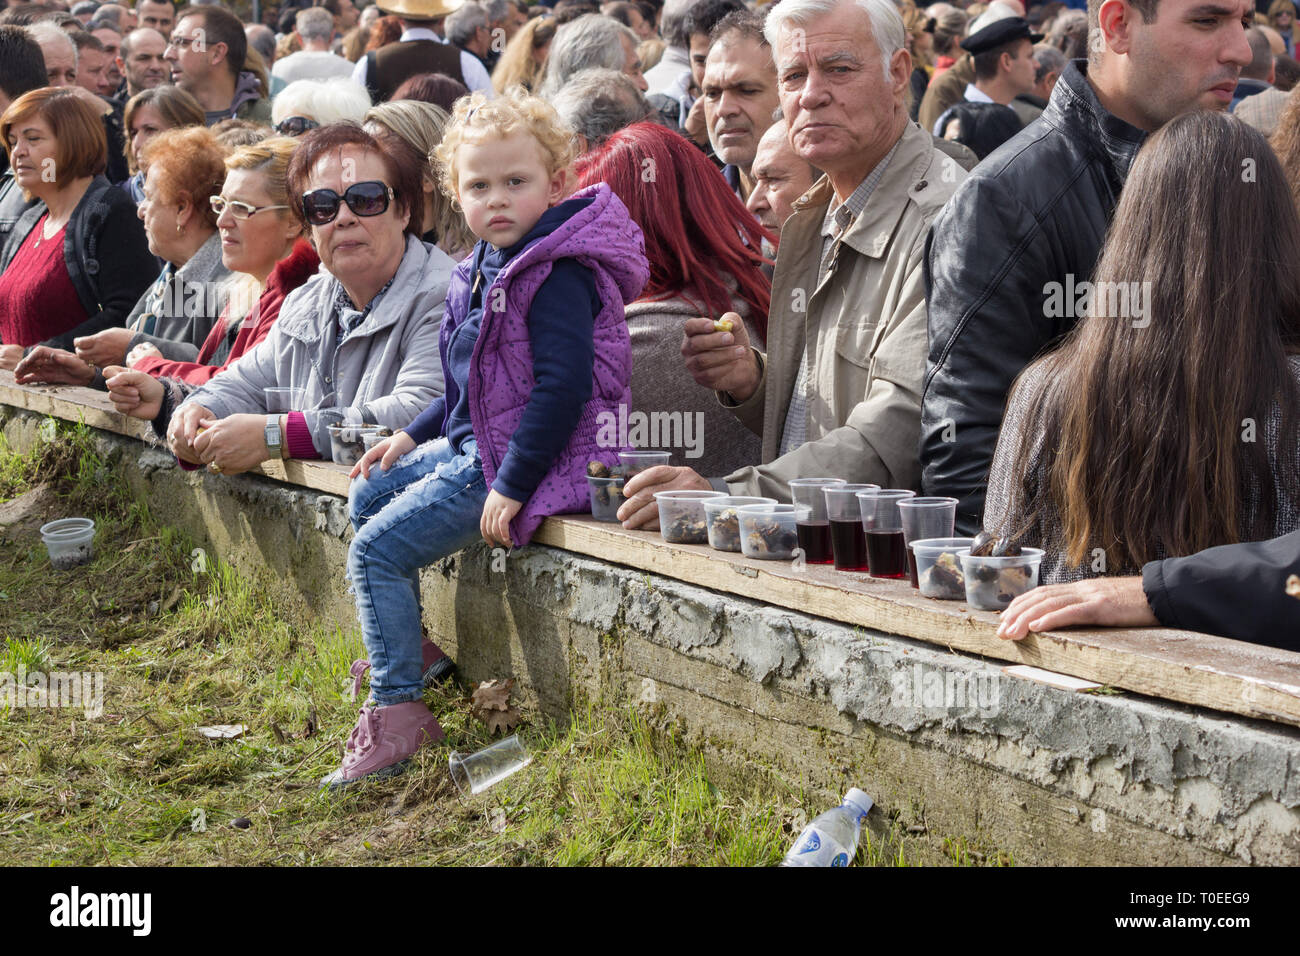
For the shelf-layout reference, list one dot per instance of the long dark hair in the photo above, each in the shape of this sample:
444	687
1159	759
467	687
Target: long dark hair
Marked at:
1148	425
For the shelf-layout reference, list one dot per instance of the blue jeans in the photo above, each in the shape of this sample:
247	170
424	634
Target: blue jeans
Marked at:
426	507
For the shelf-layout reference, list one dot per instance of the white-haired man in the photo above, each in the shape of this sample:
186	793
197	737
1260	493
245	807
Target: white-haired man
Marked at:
838	391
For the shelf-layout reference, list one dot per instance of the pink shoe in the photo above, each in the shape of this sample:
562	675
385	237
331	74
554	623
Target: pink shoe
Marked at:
383	741
436	667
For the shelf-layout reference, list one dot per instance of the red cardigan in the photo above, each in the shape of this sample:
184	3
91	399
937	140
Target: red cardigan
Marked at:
289	273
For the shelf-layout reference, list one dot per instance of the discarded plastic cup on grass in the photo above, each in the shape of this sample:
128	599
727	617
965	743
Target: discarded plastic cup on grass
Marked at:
474	773
69	541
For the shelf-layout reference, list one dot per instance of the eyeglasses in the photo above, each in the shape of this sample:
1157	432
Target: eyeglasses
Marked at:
321	206
295	125
240	210
184	42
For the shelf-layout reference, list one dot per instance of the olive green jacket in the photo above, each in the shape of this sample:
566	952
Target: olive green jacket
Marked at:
864	409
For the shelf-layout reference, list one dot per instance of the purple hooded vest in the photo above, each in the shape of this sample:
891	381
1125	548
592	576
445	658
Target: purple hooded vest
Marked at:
603	238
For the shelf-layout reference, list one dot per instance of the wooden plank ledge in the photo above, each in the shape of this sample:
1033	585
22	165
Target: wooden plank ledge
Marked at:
1182	666
76	404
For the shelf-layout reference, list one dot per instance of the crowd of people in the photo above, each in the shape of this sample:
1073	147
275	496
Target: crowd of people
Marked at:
1029	259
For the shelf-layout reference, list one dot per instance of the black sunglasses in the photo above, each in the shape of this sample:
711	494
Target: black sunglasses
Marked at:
295	125
321	206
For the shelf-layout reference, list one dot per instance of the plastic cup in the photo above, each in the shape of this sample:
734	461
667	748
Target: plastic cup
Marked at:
681	515
848	543
69	541
370	439
635	462
347	443
938	566
474	773
883	526
925	518
280	401
768	532
815	530
992	583
606	497
724	523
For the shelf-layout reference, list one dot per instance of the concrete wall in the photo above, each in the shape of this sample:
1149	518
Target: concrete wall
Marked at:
950	748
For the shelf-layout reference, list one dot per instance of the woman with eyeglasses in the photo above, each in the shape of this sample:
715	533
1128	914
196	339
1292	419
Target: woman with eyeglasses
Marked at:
262	246
175	314
77	260
306	104
360	339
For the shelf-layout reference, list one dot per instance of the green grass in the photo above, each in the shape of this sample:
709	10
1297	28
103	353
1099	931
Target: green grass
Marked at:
178	650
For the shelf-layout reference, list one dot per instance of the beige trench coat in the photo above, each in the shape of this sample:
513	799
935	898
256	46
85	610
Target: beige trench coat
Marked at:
864	410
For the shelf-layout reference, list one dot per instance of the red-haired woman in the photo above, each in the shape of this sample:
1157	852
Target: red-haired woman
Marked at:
704	250
77	260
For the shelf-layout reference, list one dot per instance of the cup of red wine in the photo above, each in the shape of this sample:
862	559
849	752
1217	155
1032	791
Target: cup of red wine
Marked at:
814	528
848	543
882	528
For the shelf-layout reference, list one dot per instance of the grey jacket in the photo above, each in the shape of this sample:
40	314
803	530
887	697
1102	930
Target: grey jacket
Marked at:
189	307
386	372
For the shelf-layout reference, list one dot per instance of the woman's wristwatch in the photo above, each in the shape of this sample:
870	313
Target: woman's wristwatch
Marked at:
274	436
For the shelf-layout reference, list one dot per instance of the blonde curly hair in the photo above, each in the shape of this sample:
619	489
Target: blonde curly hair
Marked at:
476	118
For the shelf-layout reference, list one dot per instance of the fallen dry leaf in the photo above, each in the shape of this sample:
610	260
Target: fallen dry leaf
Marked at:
491	695
501	720
498	821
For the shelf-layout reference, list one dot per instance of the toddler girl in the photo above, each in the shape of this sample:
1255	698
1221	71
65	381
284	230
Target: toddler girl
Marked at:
534	348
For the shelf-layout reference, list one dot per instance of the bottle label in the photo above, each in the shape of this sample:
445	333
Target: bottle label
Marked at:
841	859
811	844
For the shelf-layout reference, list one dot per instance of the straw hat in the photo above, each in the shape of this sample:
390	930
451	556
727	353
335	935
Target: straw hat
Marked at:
419	9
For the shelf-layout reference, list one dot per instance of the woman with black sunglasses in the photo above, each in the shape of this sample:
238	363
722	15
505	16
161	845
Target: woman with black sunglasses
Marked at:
360	339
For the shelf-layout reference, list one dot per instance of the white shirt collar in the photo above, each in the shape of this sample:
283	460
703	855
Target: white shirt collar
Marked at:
419	33
973	94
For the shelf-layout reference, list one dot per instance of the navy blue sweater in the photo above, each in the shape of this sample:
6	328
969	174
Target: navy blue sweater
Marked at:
560	327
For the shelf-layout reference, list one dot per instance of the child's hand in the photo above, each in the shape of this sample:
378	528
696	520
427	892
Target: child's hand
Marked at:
389	450
498	512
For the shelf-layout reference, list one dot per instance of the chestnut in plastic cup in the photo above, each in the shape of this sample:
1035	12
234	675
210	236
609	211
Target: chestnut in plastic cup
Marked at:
814	528
848	543
925	518
883	527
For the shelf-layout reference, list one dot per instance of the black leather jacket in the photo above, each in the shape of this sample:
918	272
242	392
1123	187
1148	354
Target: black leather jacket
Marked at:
1033	213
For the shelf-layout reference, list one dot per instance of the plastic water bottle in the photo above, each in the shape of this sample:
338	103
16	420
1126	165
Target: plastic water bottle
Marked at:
831	839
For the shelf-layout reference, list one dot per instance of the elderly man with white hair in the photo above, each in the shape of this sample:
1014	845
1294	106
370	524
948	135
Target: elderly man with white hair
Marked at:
591	41
838	391
315	27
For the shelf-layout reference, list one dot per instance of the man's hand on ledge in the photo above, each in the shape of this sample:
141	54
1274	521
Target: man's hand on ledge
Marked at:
1108	602
49	366
10	355
641	511
722	361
